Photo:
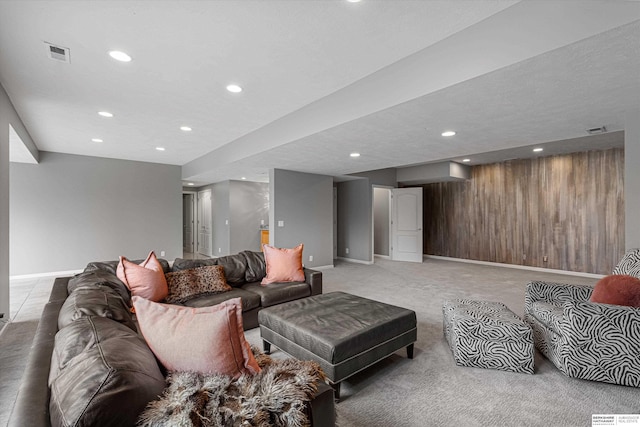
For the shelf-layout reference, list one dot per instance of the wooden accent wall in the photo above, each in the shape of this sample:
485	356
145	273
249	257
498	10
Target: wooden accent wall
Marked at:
569	208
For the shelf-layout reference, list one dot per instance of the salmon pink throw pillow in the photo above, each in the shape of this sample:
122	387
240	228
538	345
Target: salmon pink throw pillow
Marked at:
283	265
208	340
145	280
617	289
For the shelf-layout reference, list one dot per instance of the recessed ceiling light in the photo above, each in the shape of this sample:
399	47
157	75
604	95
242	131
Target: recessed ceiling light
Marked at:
466	160
185	128
244	177
160	148
234	88
355	154
105	114
96	140
448	133
190	183
537	150
119	56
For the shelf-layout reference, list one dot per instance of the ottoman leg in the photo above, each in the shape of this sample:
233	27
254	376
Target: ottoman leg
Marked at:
336	391
266	346
410	351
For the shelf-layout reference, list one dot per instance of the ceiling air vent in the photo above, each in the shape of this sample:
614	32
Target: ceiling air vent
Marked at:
596	131
57	53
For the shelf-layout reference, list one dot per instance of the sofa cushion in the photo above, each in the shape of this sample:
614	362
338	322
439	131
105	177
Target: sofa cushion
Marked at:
107	379
283	265
235	266
102	278
548	314
205	340
617	289
277	293
250	300
146	279
185	264
186	284
95	300
256	268
112	266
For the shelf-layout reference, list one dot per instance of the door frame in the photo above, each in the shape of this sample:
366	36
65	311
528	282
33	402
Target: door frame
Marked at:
373	224
194	207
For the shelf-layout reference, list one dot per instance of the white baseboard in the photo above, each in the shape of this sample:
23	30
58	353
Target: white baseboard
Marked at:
322	267
355	261
49	274
382	256
519	267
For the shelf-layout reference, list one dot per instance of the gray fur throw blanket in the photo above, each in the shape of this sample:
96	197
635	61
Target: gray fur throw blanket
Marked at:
275	396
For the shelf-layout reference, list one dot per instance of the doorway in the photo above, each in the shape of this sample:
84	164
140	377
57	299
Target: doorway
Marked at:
204	223
188	222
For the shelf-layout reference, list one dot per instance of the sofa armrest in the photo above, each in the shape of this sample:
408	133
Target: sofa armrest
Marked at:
321	409
602	335
314	279
554	293
32	402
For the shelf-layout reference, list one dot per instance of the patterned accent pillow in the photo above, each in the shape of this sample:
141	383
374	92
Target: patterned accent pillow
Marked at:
186	284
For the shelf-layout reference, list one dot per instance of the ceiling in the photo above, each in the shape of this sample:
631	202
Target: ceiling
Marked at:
321	79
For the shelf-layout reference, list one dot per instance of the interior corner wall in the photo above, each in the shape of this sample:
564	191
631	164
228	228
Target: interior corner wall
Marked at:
632	179
354	220
220	210
6	112
249	205
304	204
69	210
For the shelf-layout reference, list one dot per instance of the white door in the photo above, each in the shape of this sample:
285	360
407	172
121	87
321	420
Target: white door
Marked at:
204	222
187	223
406	224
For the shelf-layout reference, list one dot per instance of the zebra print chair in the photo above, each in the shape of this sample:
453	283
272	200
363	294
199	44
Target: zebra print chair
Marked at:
590	341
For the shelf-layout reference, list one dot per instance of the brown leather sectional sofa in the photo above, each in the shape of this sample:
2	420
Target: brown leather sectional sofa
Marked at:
89	366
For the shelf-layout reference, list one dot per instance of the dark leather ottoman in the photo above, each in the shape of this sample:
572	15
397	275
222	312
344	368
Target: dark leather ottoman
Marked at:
344	333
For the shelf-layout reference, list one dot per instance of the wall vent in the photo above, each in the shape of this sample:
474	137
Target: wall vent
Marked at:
596	131
57	53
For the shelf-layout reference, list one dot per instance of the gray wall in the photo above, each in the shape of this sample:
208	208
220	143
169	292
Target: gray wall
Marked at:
69	210
249	202
305	203
243	204
385	177
354	220
632	179
8	116
381	221
220	210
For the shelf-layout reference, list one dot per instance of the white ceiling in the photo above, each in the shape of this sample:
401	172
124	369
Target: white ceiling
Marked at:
321	79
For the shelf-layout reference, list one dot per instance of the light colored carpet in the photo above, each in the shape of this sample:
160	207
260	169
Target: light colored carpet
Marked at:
431	390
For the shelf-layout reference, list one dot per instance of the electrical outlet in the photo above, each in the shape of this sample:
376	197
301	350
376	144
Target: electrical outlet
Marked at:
280	223
226	222
346	250
524	257
161	253
219	250
545	258
310	258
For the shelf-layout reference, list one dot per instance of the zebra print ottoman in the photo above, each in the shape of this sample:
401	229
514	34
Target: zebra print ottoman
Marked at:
485	334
